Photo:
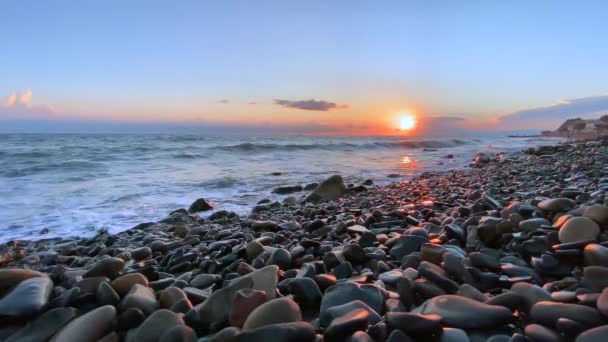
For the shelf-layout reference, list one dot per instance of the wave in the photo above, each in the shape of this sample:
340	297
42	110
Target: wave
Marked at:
64	166
267	147
26	155
219	183
188	156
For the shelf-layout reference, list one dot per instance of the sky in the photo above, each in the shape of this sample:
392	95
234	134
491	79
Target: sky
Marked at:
351	67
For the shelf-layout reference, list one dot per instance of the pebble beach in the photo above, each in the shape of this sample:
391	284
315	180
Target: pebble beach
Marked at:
512	248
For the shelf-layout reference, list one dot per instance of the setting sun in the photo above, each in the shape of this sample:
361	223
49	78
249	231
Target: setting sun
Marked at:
407	122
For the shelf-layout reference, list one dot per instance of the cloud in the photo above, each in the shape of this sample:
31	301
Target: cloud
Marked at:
20	105
252	103
224	101
311	104
23	99
585	107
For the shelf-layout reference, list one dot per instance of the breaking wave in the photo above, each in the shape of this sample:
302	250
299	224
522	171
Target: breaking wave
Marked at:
267	147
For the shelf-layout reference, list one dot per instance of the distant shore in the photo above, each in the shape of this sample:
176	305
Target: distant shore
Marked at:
503	248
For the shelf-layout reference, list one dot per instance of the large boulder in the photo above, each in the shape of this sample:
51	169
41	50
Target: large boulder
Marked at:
330	189
200	204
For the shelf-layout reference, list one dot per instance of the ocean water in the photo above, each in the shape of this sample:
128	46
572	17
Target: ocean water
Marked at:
75	185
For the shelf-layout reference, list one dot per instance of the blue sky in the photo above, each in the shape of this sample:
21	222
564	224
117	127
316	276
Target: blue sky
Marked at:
209	61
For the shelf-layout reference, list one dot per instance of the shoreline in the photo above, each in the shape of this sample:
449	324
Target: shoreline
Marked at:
498	249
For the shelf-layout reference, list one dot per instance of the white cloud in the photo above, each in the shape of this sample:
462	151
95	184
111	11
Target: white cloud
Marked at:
20	105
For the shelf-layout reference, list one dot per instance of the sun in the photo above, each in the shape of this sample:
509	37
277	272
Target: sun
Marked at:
407	122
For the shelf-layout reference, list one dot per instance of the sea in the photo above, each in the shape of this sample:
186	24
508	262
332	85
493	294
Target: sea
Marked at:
66	185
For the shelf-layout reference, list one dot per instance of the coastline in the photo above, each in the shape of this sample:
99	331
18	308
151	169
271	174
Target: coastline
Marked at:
487	250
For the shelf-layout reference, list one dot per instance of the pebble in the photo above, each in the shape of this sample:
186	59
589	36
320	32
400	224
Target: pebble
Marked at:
344	326
106	295
602	302
122	285
10	277
140	297
596	277
27	298
530	294
465	313
341	310
91	326
547	313
157	324
537	332
107	267
595	255
213	312
245	301
283	332
280	257
414	324
557	204
598	213
171	296
141	253
279	310
599	334
578	229
347	292
44	326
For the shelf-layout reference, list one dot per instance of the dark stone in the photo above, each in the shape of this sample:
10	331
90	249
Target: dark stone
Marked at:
465	313
27	298
346	292
547	313
345	325
539	333
200	204
414	324
130	319
44	326
405	245
282	332
288	189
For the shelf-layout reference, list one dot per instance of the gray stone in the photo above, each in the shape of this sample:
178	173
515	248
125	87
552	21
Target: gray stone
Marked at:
347	292
107	267
465	313
200	204
578	229
599	334
547	313
595	255
44	326
159	323
284	332
343	309
106	294
10	277
531	294
89	327
329	190
279	310
140	297
27	298
557	204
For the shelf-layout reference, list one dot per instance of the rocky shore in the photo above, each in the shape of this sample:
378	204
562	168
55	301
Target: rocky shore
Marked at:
514	248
